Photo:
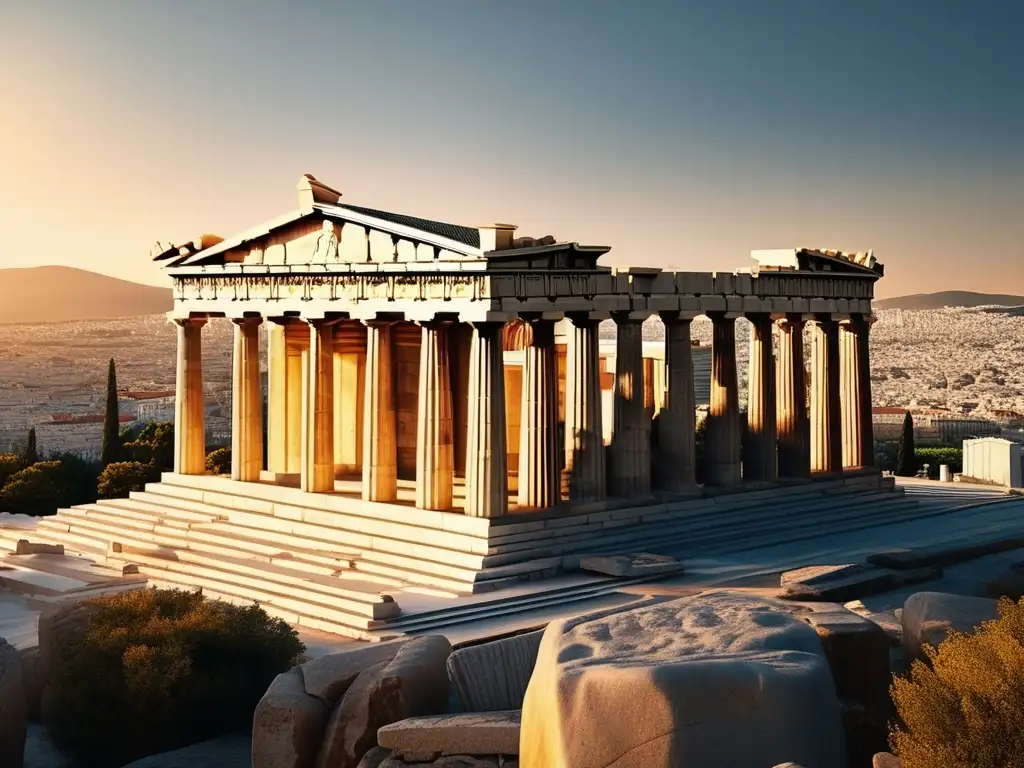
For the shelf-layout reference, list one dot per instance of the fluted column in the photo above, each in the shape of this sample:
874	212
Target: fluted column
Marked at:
317	475
434	436
189	429
246	402
826	416
584	436
380	449
630	456
761	460
296	362
539	478
722	435
349	382
849	398
277	399
791	400
486	453
867	438
677	420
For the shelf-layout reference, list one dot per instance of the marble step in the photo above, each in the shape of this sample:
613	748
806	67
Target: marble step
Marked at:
72	542
262	589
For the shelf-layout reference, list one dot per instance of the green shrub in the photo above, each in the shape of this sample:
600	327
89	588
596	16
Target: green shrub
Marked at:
218	462
79	477
37	490
9	464
152	444
122	477
933	456
156	670
963	709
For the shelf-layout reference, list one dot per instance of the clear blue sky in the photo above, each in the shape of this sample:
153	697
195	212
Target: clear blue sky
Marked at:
679	133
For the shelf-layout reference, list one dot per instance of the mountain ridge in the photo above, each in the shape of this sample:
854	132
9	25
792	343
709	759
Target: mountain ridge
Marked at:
58	294
942	299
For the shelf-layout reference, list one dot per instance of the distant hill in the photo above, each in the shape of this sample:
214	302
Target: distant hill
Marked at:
65	294
949	299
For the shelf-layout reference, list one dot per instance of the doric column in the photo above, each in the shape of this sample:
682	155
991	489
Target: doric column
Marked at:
539	478
849	397
630	459
189	430
277	399
826	417
761	462
317	475
867	436
791	389
486	453
349	382
380	450
677	420
246	402
584	440
434	438
296	362
722	436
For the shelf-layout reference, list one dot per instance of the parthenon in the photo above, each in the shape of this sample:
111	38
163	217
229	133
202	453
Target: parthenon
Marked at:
388	345
438	419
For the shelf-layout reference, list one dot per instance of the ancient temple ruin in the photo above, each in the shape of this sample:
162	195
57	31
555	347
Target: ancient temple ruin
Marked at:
432	406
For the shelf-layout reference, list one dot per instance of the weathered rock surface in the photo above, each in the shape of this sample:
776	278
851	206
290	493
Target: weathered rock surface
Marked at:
885	760
858	654
328	677
26	547
59	628
453	761
13	715
929	616
492	677
773	695
413	683
639	564
288	724
841	583
472	733
33	682
374	758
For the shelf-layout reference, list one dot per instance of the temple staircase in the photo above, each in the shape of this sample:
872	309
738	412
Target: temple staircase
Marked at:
337	564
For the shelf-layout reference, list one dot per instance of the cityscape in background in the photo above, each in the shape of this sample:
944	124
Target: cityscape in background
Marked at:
952	369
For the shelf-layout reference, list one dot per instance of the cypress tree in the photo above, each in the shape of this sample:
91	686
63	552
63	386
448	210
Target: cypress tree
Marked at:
111	424
31	454
906	461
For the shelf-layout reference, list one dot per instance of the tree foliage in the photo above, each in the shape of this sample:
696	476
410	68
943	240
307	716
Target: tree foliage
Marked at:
37	490
155	670
120	478
111	422
906	461
153	443
9	464
963	708
31	452
218	461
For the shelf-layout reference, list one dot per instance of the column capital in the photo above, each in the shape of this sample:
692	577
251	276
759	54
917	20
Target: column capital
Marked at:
717	317
194	322
638	317
677	316
581	319
790	321
251	321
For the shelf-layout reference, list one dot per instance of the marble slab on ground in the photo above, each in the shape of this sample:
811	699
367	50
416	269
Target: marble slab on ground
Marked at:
841	583
634	564
471	733
948	553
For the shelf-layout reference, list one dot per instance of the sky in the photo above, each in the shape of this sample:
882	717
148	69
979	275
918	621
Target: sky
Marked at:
682	134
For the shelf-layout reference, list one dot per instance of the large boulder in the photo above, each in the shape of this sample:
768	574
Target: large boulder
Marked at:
288	724
60	627
13	715
422	739
413	683
929	616
492	677
715	679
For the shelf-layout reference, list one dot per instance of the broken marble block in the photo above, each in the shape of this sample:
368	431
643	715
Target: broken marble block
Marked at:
928	618
640	564
632	688
841	583
493	676
422	739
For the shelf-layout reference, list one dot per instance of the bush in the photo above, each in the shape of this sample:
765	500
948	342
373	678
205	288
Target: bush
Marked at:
9	464
37	490
963	709
157	670
122	477
218	462
152	444
933	456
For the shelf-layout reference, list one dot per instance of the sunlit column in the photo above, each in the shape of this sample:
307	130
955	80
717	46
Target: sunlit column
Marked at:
189	429
246	402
